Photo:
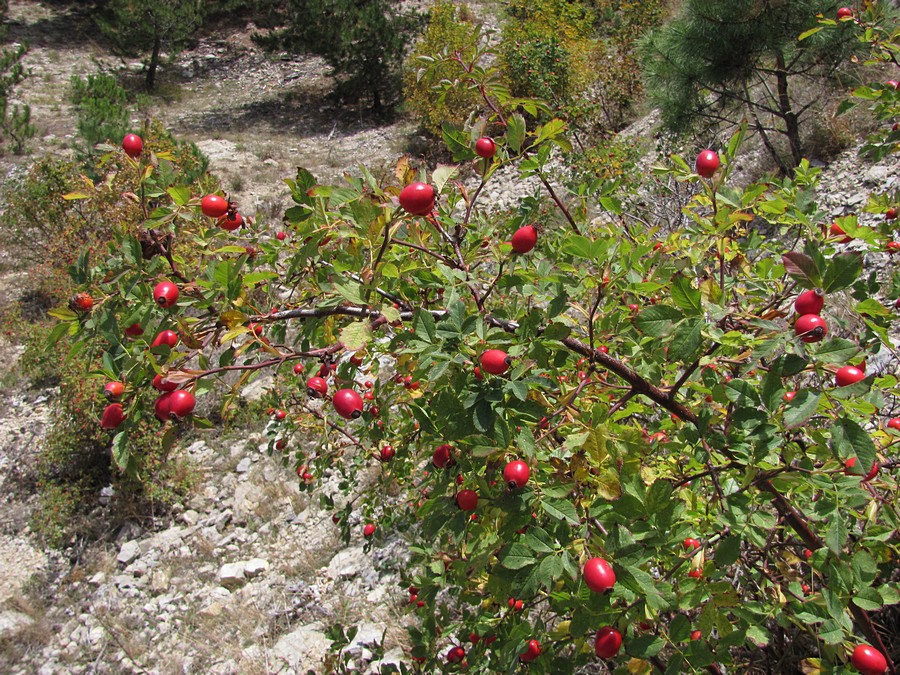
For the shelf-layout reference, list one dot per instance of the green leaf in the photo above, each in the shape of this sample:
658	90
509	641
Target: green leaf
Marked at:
424	327
517	557
679	628
685	296
356	335
742	393
837	350
658	320
809	33
802	268
561	510
848	439
728	551
872	307
457	143
842	271
63	314
645	646
550	569
180	195
350	291
836	534
801	408
120	453
868	599
441	174
515	132
686	341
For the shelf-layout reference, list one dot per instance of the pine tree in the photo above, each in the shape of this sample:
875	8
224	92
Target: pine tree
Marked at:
720	60
15	119
364	42
136	27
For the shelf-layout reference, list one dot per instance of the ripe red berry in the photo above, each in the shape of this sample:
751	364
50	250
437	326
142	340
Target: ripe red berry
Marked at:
849	465
789	396
181	403
810	302
495	361
695	573
347	403
707	163
386	454
894	423
456	655
844	13
113	391
81	302
807	554
696	634
230	221
134	330
133	145
598	575
690	544
868	660
160	384
161	407
169	338
516	474
810	328
847	375
281	236
165	294
524	239
112	417
214	206
479	376
442	456
316	387
532	651
369	530
417	199
485	147
838	232
467	500
608	642
280	414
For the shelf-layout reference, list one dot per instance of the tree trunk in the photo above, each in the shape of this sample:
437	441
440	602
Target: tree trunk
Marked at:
791	123
154	63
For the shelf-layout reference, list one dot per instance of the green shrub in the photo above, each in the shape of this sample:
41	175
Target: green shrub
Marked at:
451	29
101	108
15	119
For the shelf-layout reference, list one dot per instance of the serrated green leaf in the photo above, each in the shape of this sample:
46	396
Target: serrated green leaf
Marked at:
517	557
120	450
685	296
802	268
679	628
848	439
561	510
658	320
837	350
686	341
871	307
801	408
645	646
515	132
742	393
356	335
842	271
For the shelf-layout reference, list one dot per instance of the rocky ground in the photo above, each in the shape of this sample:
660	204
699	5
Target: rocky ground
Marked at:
248	574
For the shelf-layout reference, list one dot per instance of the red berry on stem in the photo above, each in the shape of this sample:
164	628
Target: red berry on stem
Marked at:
810	302
894	423
608	642
369	530
347	403
485	147
707	163
516	474
467	500
495	361
524	239
868	660
231	222
113	391
847	375
161	384
181	403
810	328
133	145
386	454
214	206
844	13
161	407
850	464
532	651
690	544
81	302
169	338
316	387
598	575
837	231
113	416
417	199
165	294
442	456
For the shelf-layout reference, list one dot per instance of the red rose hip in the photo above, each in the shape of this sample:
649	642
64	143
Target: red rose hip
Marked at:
348	404
417	199
598	575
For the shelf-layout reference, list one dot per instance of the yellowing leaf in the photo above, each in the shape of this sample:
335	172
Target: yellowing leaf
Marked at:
356	335
69	196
